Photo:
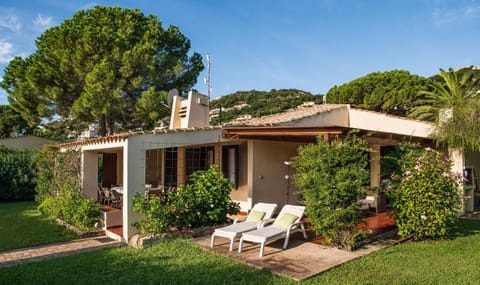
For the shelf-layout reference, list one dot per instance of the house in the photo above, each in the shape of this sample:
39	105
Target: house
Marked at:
253	153
24	142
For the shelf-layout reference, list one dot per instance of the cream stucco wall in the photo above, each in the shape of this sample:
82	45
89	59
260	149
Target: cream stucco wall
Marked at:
458	164
133	181
267	172
89	173
366	120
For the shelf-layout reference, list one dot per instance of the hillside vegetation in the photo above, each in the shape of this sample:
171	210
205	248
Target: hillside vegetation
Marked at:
259	103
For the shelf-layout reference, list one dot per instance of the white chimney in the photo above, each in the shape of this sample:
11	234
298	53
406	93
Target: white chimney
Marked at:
190	112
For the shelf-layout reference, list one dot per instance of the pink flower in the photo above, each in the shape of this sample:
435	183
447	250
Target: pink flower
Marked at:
185	230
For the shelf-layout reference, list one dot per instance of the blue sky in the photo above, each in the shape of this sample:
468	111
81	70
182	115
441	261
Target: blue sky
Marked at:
306	44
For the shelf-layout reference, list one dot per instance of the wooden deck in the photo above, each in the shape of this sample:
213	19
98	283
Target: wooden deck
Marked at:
118	230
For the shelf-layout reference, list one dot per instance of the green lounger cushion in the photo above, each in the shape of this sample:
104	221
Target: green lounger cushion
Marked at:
255	216
285	220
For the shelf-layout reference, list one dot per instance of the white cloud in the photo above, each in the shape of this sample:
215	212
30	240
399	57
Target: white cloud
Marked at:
472	11
447	16
42	22
6	52
10	22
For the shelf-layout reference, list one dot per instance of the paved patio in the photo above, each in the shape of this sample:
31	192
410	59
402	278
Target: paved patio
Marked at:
301	260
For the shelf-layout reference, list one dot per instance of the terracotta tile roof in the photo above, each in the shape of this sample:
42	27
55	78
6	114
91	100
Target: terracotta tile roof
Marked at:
122	136
301	112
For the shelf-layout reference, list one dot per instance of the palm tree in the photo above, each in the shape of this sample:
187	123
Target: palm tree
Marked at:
454	89
453	104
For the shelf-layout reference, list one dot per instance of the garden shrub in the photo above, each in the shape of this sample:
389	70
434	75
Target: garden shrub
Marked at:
45	163
59	192
157	212
204	201
17	174
57	172
425	197
331	178
50	207
72	208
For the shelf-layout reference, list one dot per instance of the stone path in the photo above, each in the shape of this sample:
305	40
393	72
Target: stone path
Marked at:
25	255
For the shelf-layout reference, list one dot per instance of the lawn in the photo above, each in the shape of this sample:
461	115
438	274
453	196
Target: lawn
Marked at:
451	261
21	225
174	262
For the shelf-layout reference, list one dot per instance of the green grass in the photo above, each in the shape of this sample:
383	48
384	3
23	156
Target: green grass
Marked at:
455	260
173	262
21	225
452	261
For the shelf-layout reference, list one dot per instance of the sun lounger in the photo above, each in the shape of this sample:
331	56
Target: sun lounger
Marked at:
287	222
259	213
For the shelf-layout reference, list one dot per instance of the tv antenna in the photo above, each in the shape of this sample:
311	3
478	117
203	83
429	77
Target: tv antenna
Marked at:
207	79
171	94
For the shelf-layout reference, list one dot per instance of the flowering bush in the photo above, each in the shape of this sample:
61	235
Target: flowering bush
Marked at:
425	197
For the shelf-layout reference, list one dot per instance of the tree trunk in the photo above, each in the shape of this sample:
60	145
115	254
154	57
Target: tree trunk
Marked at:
102	130
109	125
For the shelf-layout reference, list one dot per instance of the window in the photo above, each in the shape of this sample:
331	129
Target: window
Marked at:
170	167
230	164
153	167
199	158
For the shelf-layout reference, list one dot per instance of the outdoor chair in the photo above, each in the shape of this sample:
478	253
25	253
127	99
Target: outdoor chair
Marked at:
259	213
116	199
107	196
287	222
100	195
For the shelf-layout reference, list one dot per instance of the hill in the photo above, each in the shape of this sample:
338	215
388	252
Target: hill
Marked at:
257	103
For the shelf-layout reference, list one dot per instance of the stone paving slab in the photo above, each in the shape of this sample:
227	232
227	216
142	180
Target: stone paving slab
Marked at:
25	255
301	260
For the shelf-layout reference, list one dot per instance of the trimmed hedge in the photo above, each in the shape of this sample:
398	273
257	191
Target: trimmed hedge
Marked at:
17	174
